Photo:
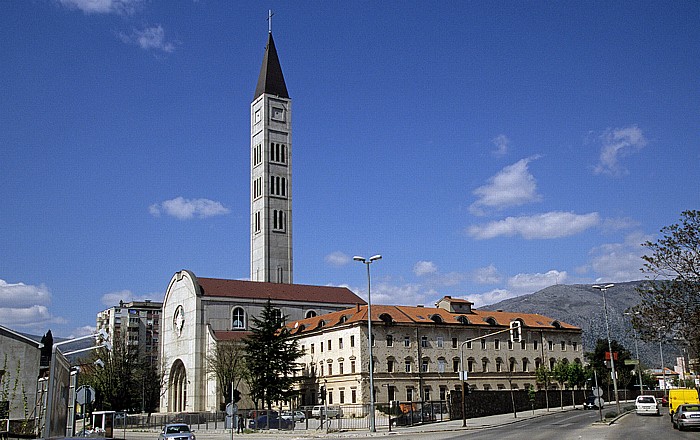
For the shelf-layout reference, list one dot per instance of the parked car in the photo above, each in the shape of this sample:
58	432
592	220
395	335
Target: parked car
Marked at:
686	416
273	422
333	411
297	416
590	403
647	405
176	431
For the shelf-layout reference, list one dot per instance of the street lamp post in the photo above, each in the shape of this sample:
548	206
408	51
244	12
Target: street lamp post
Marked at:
607	329
636	347
661	353
372	426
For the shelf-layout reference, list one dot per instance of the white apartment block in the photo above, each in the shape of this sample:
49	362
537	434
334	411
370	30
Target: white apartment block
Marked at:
137	322
418	351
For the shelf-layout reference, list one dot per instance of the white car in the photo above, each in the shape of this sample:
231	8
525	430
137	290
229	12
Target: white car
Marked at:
647	405
298	416
334	412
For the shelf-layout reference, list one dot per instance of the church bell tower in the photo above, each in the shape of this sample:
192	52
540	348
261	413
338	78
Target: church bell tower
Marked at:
271	174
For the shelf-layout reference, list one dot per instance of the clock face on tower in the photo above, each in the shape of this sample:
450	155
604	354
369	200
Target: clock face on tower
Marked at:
179	320
277	114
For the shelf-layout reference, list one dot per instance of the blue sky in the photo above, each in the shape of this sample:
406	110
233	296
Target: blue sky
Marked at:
486	149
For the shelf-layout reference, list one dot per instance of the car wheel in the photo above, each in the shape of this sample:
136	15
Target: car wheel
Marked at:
680	427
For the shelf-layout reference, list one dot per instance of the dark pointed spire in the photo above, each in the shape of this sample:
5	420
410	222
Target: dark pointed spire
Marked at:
271	79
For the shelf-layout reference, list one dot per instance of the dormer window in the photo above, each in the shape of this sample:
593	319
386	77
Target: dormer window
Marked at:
463	319
491	320
386	318
436	318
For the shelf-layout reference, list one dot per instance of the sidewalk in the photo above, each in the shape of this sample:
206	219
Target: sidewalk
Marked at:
450	425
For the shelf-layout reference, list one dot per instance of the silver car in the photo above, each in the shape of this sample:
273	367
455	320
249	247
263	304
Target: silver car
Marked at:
686	416
176	431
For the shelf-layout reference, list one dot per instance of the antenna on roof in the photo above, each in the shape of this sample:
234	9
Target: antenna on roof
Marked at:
269	20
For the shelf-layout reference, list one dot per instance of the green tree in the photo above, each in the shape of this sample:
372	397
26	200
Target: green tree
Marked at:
271	357
597	361
560	373
576	378
671	296
115	375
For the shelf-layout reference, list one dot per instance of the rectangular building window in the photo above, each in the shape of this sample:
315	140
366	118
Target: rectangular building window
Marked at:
409	394
407	365
439	341
483	344
340	343
454	342
340	368
342	396
329	345
353	396
497	344
390	366
352	367
352	341
455	365
389	341
563	345
424	341
407	341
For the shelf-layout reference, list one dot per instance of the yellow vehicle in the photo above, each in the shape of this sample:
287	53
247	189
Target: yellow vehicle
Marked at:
681	396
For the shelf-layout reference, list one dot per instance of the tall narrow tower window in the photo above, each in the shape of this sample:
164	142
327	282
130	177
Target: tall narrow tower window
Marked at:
278	220
257	225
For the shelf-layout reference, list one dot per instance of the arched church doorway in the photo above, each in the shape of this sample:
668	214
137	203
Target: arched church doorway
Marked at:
177	387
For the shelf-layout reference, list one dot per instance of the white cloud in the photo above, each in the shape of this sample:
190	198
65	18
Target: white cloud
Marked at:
512	186
619	262
337	258
423	268
523	283
501	142
82	331
21	295
150	38
103	6
112	299
185	209
617	143
486	275
25	307
520	284
549	225
491	297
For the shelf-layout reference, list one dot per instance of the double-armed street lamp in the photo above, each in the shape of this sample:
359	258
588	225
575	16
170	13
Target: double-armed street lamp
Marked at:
607	329
367	262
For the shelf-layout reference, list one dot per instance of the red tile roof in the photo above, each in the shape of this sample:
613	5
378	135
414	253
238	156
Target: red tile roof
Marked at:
425	315
227	335
216	287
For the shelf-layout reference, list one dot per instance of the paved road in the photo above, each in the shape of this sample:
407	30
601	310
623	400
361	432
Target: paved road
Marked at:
569	423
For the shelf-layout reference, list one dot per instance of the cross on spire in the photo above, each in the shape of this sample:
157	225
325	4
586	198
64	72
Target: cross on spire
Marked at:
269	20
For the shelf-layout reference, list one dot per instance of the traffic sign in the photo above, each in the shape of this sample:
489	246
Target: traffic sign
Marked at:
463	376
231	409
85	394
597	392
631	362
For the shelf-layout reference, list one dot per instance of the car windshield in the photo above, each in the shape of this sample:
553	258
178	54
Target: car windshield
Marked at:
645	399
177	429
690	408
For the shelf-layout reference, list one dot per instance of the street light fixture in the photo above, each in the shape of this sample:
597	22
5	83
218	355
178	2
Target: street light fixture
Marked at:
607	329
372	259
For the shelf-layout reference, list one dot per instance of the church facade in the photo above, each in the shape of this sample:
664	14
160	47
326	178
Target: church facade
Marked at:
199	312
